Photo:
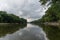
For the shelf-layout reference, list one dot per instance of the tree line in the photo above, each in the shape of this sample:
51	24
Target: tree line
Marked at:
10	18
53	12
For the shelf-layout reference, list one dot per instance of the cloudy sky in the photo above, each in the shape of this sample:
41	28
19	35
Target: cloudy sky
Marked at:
28	9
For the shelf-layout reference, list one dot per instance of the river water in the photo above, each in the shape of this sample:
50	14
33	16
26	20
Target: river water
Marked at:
34	32
30	32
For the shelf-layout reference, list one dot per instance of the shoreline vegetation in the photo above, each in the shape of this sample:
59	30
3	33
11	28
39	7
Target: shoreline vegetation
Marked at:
10	23
52	15
46	23
6	18
37	22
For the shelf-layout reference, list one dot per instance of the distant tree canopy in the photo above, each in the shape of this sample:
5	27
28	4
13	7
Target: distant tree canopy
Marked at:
10	18
53	12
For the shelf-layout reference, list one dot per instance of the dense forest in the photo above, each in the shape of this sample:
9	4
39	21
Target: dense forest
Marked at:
11	18
53	12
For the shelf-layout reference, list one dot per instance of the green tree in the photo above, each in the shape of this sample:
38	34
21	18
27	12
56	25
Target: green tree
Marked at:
11	18
53	12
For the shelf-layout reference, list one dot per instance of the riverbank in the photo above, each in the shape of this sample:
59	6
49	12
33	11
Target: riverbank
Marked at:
52	23
7	23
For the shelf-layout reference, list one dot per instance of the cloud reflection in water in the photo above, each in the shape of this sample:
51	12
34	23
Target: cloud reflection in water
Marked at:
27	33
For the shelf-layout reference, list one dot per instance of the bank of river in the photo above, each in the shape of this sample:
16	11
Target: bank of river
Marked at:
52	23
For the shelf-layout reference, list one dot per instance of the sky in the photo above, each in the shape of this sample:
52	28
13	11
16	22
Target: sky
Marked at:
28	9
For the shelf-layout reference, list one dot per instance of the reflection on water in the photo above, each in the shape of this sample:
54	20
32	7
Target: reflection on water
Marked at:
9	28
53	32
31	32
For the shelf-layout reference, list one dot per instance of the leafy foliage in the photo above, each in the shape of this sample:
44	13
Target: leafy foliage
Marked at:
44	1
10	18
53	12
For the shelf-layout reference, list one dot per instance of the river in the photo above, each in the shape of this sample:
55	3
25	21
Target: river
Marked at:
33	32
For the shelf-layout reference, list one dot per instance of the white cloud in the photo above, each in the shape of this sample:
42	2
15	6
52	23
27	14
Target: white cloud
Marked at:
24	8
